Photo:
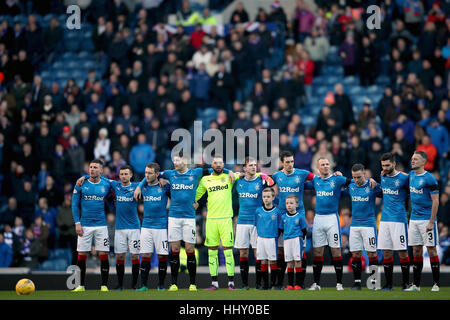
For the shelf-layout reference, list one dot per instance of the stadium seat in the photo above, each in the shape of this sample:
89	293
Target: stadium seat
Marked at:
350	80
69	56
61	74
354	90
72	44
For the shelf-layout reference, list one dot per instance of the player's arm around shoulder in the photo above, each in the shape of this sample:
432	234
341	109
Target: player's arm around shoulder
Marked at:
76	200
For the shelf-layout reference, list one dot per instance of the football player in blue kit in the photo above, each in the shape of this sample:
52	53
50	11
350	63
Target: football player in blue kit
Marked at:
392	232
363	227
249	191
424	195
92	223
290	180
326	229
154	226
127	229
294	229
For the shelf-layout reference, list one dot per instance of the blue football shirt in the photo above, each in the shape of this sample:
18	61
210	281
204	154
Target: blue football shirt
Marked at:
421	187
395	191
268	222
250	199
328	193
155	205
363	204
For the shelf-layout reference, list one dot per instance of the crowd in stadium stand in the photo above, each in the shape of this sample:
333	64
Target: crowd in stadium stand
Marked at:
150	79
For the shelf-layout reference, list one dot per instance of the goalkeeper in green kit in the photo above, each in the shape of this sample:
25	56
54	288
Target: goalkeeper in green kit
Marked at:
219	219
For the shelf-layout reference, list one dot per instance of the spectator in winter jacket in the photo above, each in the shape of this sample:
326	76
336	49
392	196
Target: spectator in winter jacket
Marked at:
430	150
141	154
304	20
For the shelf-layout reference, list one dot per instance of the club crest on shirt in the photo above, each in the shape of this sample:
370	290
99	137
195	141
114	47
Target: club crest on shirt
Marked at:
257	187
297	179
420	182
159	189
367	190
332	184
191	178
397	183
102	189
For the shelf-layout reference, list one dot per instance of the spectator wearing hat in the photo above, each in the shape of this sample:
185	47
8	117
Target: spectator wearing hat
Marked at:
277	13
64	138
102	145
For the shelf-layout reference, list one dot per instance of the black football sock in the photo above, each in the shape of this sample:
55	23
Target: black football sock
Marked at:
281	269
243	266
388	265
134	272
274	274
120	270
145	270
258	273
81	263
435	269
317	268
290	273
357	269
265	274
162	270
191	266
174	266
104	268
337	262
404	265
299	276
303	273
417	270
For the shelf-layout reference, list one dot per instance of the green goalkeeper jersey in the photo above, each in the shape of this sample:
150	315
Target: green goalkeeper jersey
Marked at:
219	189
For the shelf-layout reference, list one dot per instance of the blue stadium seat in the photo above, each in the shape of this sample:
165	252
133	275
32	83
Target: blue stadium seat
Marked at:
72	45
308	121
88	65
84	55
80	82
74	64
382	80
58	65
21	18
69	56
332	80
354	90
61	74
350	80
322	90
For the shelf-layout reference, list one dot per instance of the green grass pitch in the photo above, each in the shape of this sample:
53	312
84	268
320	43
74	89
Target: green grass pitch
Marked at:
224	294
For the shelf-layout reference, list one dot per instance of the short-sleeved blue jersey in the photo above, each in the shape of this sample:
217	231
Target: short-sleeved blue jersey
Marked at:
291	184
363	204
395	191
421	187
292	225
91	196
328	193
250	199
183	187
126	205
268	222
155	205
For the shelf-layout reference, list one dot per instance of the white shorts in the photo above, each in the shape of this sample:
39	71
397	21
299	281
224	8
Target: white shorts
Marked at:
246	236
154	240
101	239
326	231
418	235
125	239
393	236
293	249
182	229
266	249
363	238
